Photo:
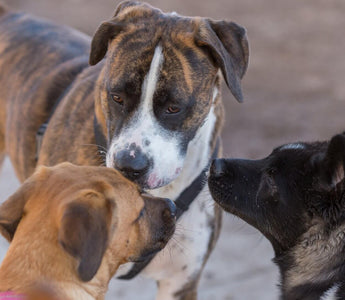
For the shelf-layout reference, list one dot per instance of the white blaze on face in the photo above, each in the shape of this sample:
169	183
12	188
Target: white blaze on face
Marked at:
162	147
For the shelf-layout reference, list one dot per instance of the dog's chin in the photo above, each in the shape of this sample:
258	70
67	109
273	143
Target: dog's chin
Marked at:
226	206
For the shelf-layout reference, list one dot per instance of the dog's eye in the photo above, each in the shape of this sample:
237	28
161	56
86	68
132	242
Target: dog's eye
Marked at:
271	171
117	99
172	109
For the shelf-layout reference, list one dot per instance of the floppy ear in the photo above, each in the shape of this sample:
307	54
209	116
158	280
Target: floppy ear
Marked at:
12	209
228	45
83	231
333	165
99	45
106	32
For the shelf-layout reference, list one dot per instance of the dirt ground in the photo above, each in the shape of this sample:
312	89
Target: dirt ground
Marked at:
294	90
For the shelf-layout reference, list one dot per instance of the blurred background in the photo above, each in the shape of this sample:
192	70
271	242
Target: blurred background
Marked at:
294	91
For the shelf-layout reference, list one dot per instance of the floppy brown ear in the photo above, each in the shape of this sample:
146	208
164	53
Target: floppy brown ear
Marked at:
83	231
228	45
106	32
12	209
333	166
99	45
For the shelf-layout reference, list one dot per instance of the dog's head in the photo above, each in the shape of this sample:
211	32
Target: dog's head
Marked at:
285	194
92	213
158	84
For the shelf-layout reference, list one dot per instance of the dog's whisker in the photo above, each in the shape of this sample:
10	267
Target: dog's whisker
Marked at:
169	250
180	227
96	145
179	245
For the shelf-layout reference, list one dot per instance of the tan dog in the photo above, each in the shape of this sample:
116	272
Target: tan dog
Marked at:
149	106
71	227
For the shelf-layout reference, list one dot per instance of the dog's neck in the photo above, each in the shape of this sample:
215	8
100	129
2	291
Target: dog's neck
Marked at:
25	268
314	265
199	150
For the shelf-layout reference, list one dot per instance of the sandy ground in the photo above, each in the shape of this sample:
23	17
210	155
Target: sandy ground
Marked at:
294	90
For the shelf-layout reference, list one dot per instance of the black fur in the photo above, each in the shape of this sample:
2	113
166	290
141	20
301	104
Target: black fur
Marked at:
296	198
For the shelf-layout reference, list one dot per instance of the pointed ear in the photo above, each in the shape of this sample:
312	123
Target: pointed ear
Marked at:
228	45
106	32
11	211
83	231
334	162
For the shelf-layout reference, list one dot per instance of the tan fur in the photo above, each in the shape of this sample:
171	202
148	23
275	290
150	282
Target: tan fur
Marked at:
316	256
35	255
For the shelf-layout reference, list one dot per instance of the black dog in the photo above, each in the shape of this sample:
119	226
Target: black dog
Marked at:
296	198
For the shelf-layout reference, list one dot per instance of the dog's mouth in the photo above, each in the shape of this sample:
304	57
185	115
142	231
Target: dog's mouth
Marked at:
221	191
145	255
241	205
152	180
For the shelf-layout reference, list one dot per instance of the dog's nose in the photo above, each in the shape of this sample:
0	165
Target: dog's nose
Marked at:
131	163
217	167
169	213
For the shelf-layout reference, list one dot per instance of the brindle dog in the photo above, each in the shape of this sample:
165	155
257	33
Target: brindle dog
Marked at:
152	106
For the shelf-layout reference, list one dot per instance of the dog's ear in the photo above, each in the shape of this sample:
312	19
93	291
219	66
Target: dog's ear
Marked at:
228	45
84	229
99	44
11	211
106	32
333	164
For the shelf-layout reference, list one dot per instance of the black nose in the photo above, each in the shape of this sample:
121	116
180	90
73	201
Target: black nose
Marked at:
169	213
217	167
132	163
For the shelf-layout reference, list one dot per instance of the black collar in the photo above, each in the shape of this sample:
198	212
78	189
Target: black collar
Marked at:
182	204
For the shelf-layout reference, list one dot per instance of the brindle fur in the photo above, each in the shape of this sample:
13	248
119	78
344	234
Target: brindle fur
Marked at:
42	63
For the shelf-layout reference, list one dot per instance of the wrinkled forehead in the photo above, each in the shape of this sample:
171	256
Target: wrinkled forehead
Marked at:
183	62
